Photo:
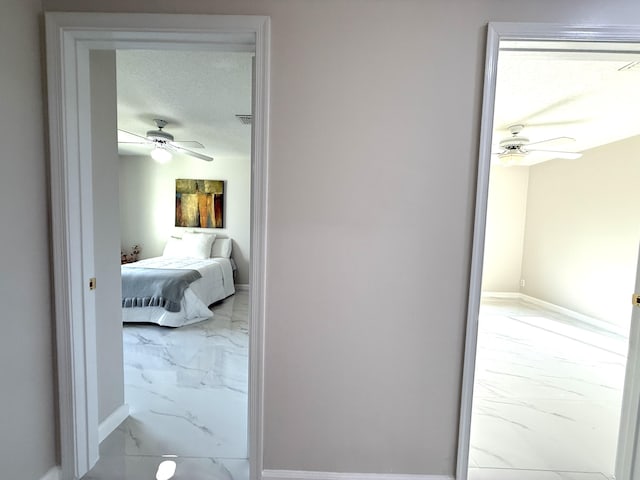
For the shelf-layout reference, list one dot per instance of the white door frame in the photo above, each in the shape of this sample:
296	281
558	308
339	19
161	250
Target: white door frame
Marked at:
497	32
628	445
69	38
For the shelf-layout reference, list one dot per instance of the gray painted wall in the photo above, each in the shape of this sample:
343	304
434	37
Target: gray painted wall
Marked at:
370	223
107	232
27	405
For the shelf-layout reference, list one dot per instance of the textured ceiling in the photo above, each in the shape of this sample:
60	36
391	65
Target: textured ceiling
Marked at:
554	89
589	92
197	92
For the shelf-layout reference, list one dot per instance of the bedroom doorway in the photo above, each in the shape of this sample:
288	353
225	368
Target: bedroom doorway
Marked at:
186	371
70	38
552	269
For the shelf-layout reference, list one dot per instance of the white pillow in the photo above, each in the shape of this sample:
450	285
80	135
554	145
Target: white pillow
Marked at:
173	248
197	245
221	248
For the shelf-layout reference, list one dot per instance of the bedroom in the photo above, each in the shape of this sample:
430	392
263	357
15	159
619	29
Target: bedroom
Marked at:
560	263
200	369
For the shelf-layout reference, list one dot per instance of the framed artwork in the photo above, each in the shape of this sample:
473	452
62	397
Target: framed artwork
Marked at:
199	203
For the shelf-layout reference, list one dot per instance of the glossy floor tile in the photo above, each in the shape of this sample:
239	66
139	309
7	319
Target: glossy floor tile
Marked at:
186	389
547	395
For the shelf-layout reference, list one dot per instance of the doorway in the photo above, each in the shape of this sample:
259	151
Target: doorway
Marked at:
551	273
185	373
70	37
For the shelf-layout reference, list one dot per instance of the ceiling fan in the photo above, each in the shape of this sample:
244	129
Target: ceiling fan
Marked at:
516	148
162	142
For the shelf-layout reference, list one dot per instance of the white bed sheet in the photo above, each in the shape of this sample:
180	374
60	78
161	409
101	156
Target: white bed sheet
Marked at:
216	283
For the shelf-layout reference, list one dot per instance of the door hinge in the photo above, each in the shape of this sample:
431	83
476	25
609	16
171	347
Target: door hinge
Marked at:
92	283
635	299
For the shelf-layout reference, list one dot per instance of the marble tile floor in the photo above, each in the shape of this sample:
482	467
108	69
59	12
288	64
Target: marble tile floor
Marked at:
186	389
547	395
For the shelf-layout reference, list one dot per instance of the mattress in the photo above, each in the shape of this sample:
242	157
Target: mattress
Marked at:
216	284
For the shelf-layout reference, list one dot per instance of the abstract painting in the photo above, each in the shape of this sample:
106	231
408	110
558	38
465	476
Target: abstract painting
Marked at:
199	203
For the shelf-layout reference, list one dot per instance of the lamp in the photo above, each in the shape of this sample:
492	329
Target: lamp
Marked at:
161	155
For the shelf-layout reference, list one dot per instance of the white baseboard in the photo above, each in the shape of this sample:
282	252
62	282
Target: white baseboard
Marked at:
242	287
112	422
107	426
595	322
311	475
52	474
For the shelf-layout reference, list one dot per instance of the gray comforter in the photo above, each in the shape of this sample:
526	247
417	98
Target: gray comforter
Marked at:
155	287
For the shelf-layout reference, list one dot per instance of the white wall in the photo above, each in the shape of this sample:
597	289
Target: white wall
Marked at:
27	387
147	199
581	242
504	237
107	239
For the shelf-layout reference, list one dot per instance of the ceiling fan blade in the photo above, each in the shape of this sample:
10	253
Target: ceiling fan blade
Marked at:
558	123
555	140
175	148
127	137
556	154
188	144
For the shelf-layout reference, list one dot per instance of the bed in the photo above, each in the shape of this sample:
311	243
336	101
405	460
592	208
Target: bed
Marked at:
206	263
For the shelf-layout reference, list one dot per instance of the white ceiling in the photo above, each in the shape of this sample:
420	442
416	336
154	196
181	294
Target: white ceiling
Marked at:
197	92
555	89
559	89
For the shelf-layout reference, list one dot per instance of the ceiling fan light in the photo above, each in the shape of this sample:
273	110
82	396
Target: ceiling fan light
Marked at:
161	155
511	157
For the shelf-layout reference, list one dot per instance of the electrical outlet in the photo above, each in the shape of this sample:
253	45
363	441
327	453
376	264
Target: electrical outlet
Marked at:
522	282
